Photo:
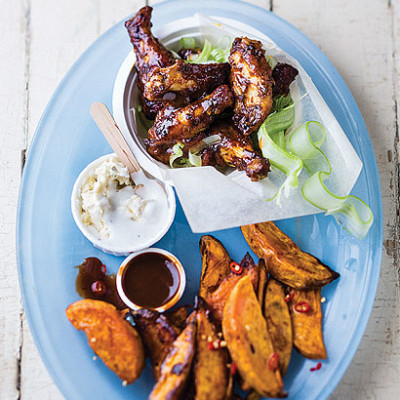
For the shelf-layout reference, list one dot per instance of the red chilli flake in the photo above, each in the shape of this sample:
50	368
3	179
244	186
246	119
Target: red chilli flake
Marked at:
214	345
317	367
99	287
289	296
103	269
273	361
302	307
236	268
233	369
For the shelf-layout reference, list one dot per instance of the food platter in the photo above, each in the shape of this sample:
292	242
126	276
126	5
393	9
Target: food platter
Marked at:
50	245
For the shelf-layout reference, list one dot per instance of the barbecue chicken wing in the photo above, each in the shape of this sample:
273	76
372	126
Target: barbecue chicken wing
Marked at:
235	150
185	122
251	83
193	80
148	49
283	75
150	53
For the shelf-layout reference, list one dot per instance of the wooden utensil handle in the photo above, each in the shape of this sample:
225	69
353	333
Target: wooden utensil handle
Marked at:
111	132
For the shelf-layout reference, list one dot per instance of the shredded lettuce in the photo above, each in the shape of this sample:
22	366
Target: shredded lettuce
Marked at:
209	53
177	160
188	42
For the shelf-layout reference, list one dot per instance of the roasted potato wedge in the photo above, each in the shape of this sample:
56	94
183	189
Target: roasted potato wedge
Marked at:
158	335
215	264
284	260
177	317
176	367
250	346
306	314
262	281
112	338
210	369
217	299
276	313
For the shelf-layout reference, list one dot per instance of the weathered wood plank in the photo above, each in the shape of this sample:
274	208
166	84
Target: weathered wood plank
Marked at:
13	34
358	39
60	32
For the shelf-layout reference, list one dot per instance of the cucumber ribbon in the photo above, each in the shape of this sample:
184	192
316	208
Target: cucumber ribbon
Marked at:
303	148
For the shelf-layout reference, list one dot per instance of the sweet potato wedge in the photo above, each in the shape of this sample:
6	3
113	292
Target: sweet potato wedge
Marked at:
177	317
284	260
157	334
176	367
276	313
112	338
210	369
262	281
215	264
217	299
306	315
246	333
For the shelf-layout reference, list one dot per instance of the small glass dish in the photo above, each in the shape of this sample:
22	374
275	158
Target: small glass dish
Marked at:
143	276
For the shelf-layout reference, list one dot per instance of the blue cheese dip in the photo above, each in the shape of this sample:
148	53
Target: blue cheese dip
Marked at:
121	211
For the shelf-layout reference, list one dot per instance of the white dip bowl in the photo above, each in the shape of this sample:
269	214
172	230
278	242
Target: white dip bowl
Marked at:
132	235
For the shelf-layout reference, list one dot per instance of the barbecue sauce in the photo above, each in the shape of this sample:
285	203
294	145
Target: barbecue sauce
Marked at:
92	277
150	280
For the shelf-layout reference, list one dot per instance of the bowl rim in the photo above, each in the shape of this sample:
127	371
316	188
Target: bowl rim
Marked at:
166	306
100	244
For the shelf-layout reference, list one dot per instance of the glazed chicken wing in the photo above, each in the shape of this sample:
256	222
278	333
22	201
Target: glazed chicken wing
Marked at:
283	75
184	123
194	80
150	53
237	151
251	82
148	49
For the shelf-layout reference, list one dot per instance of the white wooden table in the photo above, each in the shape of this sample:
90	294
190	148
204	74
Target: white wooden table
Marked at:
40	40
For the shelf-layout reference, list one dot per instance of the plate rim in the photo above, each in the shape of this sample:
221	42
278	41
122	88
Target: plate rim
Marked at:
35	154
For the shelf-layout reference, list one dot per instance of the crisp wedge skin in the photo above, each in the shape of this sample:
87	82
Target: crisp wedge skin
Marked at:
210	370
157	333
249	343
307	327
176	367
215	264
112	338
276	313
284	260
217	299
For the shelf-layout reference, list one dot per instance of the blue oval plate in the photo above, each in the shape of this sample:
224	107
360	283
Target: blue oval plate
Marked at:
50	245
